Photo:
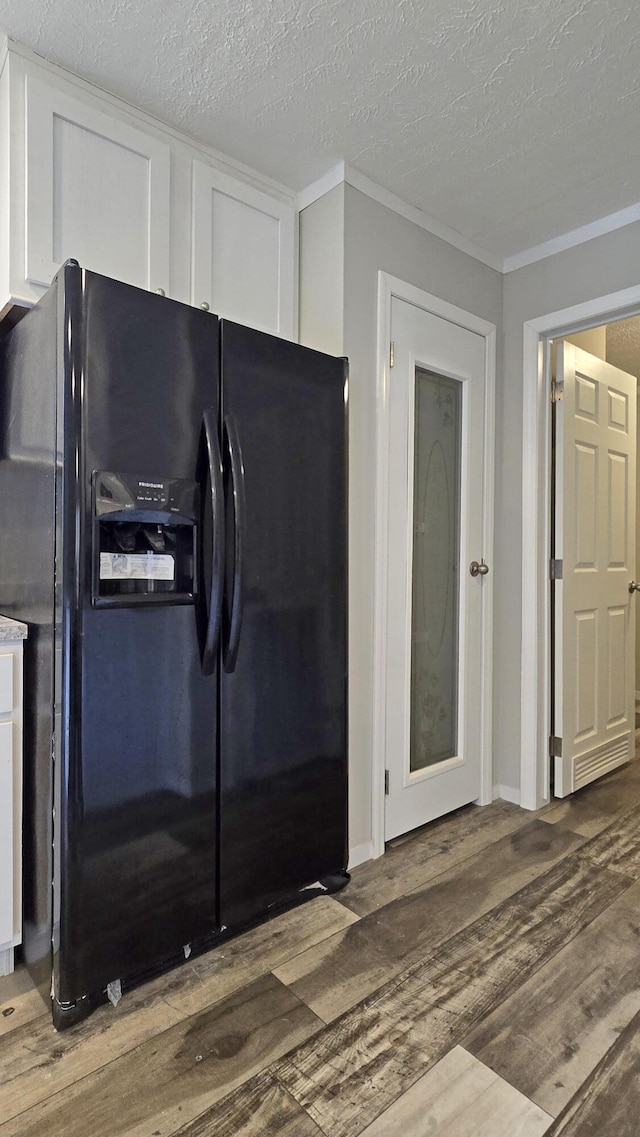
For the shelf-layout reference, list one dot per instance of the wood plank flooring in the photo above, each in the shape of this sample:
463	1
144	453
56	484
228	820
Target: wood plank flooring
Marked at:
483	978
550	1034
337	973
483	1105
607	1102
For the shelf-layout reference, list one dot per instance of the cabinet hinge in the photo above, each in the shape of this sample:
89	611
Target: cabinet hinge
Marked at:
557	390
392	353
386	782
555	569
555	746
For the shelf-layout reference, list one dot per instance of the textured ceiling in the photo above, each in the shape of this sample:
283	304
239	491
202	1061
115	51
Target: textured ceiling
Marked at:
623	345
511	121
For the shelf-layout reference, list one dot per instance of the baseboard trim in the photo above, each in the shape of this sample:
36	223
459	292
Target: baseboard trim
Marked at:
506	793
360	854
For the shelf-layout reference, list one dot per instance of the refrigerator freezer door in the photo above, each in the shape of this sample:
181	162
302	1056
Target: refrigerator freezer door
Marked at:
138	873
283	686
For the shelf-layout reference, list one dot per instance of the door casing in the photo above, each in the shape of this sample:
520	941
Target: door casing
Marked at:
388	288
535	683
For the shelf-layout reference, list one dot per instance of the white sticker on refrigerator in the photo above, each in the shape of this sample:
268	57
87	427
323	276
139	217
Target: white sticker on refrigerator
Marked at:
136	566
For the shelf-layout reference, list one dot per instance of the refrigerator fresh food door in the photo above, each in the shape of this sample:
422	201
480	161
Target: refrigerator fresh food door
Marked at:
283	680
138	832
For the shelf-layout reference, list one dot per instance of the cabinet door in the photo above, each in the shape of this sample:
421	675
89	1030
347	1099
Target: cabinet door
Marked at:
243	262
97	190
6	833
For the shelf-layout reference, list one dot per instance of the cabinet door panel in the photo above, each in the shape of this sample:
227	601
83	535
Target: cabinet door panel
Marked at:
6	832
243	252
97	190
6	683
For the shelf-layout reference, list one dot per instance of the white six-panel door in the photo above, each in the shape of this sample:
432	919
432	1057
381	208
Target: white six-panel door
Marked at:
595	611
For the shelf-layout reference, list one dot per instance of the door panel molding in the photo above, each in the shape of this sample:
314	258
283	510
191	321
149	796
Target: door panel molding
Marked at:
390	287
535	683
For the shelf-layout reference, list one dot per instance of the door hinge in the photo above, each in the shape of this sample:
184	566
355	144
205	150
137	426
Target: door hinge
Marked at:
386	783
392	353
557	390
555	746
555	569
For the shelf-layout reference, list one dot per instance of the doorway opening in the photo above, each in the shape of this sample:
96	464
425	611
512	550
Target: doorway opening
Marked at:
536	720
594	398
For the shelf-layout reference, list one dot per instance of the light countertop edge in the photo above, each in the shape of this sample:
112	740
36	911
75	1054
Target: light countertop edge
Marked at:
12	629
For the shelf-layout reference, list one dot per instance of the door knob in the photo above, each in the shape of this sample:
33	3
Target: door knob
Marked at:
481	569
633	587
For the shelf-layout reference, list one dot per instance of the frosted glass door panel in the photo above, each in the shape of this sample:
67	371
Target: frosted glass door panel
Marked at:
434	610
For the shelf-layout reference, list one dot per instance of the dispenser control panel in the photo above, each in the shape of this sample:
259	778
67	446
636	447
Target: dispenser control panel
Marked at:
144	534
115	493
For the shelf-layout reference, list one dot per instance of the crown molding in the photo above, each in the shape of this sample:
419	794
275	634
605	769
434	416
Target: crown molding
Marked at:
418	217
574	237
333	177
342	172
138	117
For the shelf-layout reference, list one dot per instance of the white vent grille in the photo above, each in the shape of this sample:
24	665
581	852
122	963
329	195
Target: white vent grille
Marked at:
593	765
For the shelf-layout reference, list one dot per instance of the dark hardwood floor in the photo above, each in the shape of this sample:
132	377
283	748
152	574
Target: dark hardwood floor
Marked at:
480	980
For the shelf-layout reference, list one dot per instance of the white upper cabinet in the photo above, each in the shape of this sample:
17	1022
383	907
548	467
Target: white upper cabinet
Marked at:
243	257
94	179
97	190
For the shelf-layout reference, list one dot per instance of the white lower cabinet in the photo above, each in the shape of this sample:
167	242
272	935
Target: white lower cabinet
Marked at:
94	179
6	834
10	790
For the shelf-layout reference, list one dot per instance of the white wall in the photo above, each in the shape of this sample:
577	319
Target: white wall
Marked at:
374	238
601	266
377	238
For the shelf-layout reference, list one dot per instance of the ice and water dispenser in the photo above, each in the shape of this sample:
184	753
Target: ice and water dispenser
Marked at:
144	539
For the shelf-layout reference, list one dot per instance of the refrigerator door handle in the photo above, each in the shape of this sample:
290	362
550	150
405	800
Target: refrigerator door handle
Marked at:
236	597
214	460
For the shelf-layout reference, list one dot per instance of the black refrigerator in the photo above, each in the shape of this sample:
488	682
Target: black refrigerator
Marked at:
173	532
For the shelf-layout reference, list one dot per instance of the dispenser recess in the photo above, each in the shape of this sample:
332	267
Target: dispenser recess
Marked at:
144	540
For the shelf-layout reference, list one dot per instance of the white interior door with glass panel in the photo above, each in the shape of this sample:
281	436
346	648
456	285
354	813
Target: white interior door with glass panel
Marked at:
437	575
595	600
